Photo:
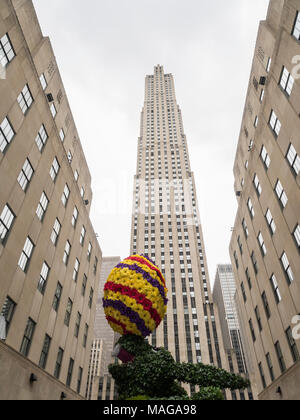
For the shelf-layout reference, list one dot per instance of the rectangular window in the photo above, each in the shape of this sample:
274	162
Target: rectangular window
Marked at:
270	366
275	288
95	265
6	222
45	352
286	81
6	134
67	253
53	110
89	251
258	318
62	135
57	296
42	207
7	52
270	222
91	297
68	312
281	194
55	232
293	159
262	375
245	227
244	292
75	217
25	99
274	124
266	305
76	269
43	81
54	170
58	363
82	235
254	262
257	185
26	255
84	283
65	196
77	325
287	269
85	335
248	278
296	234
262	244
41	138
70	372
25	175
265	157
268	67
235	259
250	207
43	278
252	330
292	344
79	380
27	339
296	29
280	357
8	312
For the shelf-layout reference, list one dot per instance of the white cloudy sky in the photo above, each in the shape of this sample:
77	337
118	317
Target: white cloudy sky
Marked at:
104	49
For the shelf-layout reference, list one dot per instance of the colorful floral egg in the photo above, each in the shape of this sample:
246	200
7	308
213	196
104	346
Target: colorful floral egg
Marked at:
135	297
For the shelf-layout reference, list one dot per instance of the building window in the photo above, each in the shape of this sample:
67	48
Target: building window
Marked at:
257	185
268	67
95	265
274	123
74	217
76	175
85	335
244	292
245	227
6	134
76	269
8	312
67	253
286	81
53	110
91	297
265	157
77	325
26	255
43	81
287	269
79	380
296	234
89	252
57	297
262	244
62	135
258	318
251	209
270	222
45	352
54	170
42	207
281	194
235	260
7	52
262	94
41	138
25	99
254	262
27	339
58	363
262	375
293	159
65	195
266	305
68	312
252	330
43	278
6	222
55	232
280	357
292	345
25	175
248	278
70	372
275	289
82	236
270	366
84	283
296	29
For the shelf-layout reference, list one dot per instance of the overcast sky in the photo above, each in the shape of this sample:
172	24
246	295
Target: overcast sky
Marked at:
105	48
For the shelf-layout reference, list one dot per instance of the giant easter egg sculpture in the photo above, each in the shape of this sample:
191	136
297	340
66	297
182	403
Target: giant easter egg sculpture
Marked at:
135	297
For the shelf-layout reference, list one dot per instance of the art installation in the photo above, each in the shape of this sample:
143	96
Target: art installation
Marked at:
135	303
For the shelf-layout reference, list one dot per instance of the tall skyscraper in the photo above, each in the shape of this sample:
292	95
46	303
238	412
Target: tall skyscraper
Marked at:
49	254
266	238
224	297
166	227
